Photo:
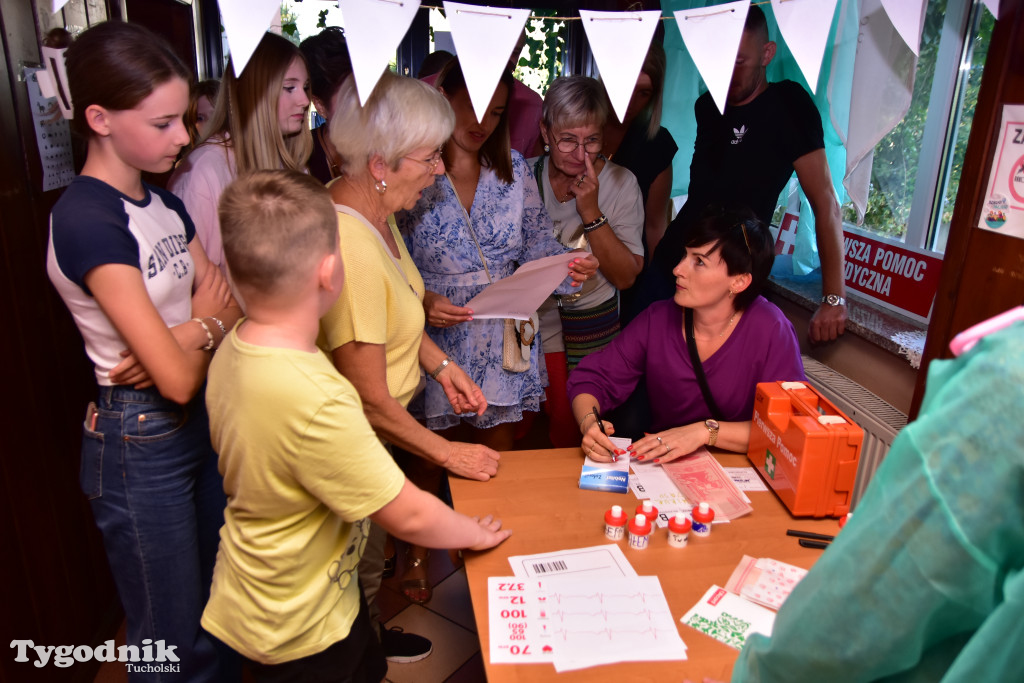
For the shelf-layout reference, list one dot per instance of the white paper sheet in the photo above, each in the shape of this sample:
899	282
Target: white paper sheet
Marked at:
712	37
804	25
651	482
484	38
245	22
580	623
595	562
746	479
373	30
907	18
619	41
521	294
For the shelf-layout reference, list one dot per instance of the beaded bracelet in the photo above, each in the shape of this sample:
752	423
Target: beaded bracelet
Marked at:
223	330
595	224
209	335
445	363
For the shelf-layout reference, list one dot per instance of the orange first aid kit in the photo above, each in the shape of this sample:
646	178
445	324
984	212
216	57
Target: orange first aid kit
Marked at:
805	448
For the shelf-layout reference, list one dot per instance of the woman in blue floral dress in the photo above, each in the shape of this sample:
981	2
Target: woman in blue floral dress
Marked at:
491	186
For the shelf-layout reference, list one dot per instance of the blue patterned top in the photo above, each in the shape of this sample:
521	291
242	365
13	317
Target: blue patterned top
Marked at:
513	228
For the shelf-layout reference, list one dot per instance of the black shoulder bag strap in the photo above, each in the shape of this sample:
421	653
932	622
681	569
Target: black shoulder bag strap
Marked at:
698	369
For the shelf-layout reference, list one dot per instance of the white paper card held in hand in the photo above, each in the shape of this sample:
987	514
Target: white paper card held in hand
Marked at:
521	293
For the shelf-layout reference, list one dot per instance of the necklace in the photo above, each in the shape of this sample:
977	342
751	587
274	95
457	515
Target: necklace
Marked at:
729	324
721	334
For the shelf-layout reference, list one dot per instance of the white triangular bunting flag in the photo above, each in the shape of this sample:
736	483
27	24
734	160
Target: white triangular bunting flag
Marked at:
804	25
619	41
245	22
993	7
373	30
907	17
484	38
712	37
57	5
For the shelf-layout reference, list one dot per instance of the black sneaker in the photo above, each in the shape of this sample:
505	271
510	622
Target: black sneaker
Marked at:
403	648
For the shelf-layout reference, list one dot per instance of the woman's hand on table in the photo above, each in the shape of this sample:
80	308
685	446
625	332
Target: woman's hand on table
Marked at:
441	312
492	533
471	460
596	443
669	444
463	393
583	267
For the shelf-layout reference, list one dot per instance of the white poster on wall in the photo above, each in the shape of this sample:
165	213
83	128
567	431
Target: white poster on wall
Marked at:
53	135
1003	210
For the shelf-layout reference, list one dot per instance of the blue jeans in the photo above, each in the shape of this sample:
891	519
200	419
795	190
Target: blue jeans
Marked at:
151	477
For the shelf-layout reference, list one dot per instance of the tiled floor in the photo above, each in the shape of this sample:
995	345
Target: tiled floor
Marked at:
447	620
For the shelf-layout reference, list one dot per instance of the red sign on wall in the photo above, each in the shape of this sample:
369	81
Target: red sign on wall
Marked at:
892	274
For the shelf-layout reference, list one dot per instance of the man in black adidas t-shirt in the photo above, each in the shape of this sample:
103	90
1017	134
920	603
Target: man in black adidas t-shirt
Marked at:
747	155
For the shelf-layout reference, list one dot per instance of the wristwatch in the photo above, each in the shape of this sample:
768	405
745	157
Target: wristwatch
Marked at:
712	426
833	300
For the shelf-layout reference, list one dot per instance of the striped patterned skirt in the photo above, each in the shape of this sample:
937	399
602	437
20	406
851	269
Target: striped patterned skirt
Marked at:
588	330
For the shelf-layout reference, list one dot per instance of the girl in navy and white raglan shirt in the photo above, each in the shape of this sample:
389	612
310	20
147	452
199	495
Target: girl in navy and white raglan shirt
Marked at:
151	308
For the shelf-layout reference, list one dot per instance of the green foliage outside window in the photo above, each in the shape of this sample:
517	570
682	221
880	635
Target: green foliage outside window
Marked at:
895	169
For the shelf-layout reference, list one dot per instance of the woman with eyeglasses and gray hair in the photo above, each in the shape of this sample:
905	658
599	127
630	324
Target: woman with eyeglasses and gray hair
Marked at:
717	327
594	205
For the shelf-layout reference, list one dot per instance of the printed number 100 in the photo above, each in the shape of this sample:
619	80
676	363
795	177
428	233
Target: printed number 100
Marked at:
513	614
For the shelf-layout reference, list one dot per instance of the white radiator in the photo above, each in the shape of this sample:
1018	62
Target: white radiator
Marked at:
880	421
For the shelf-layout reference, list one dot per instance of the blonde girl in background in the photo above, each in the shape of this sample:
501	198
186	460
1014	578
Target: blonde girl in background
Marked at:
260	121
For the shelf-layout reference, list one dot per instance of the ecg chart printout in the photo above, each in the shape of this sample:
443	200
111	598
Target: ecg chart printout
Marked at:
580	623
598	561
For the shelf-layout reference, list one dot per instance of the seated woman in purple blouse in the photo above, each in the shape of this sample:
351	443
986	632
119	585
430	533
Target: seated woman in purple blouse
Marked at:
741	340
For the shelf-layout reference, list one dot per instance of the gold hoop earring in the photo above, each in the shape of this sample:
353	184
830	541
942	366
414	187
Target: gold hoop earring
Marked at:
380	186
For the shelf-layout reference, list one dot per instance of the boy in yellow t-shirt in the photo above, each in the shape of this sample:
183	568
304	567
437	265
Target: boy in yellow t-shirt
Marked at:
302	468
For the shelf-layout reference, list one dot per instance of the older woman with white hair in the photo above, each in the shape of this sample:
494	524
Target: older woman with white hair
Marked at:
595	205
374	333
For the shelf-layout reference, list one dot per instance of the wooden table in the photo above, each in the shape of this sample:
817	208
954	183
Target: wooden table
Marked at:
536	495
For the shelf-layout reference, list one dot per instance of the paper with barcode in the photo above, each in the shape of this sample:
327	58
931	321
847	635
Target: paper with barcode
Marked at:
599	561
